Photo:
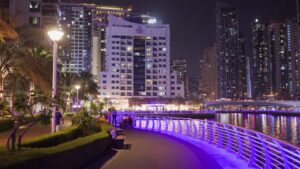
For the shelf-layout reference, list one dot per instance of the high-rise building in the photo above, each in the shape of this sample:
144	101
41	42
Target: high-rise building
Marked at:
242	67
284	51
76	21
138	61
85	25
230	75
298	10
100	15
180	67
262	68
193	88
210	73
37	13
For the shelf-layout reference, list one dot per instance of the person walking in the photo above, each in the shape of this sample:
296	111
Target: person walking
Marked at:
58	120
114	116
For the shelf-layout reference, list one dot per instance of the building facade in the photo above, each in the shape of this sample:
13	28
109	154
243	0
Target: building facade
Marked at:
210	73
84	25
138	61
230	73
76	21
284	51
262	61
37	13
180	67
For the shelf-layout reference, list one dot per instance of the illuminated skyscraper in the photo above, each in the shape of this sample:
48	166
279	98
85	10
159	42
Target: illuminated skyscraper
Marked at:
284	51
180	67
209	72
262	72
230	53
138	62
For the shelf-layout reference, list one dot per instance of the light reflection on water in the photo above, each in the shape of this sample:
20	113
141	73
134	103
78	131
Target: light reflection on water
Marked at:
285	128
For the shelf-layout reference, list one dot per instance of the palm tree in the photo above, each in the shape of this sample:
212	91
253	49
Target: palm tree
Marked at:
7	31
88	84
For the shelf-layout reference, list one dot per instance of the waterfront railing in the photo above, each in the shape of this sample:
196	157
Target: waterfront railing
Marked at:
259	150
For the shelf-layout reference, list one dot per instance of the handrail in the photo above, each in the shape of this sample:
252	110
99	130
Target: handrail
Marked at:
261	151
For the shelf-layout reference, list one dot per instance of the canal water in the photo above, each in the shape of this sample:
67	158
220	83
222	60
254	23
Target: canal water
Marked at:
285	128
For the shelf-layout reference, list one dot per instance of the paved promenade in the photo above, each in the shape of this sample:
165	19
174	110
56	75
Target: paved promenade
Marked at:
148	150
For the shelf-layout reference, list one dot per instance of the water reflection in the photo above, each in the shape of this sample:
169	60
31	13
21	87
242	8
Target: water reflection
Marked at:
282	127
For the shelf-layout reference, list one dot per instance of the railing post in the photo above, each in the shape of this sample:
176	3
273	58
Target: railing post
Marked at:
211	133
202	123
220	136
239	142
195	129
180	127
173	129
187	127
153	123
159	124
229	139
167	124
147	122
285	160
267	154
253	154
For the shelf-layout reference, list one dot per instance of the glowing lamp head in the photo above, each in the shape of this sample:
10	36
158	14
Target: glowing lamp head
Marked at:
152	21
77	87
55	35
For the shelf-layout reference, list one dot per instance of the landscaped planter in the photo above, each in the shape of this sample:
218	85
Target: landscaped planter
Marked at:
70	159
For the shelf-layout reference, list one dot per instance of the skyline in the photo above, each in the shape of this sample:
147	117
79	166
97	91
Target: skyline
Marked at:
189	42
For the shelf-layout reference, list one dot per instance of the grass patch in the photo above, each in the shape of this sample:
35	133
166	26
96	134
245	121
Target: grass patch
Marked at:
8	159
50	140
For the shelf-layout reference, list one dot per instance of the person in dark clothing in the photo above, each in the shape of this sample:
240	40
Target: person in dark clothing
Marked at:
58	119
114	117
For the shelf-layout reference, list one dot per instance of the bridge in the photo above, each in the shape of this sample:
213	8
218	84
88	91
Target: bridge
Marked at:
251	103
171	142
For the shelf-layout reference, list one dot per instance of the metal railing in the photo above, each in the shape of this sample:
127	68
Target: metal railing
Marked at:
259	150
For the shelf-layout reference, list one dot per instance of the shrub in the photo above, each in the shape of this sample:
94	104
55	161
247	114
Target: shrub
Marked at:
9	159
55	139
6	124
86	122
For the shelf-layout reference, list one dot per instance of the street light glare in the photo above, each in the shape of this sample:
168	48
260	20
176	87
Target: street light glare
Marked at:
55	35
77	87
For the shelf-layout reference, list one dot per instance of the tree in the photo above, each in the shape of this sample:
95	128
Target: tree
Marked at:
88	85
7	31
22	115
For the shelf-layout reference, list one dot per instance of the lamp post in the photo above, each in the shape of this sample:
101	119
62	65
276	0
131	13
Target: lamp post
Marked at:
55	36
77	87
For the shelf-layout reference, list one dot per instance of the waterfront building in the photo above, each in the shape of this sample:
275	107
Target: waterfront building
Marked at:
262	68
209	72
85	24
138	61
180	67
284	51
230	75
100	15
242	67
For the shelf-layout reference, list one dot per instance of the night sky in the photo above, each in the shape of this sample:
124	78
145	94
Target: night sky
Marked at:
193	21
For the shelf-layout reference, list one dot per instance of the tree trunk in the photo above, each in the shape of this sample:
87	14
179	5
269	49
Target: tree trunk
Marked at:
1	86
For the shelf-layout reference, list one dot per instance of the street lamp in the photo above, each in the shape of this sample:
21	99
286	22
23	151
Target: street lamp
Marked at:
77	87
55	36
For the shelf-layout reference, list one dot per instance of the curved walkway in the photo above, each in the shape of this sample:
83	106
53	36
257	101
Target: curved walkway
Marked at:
148	150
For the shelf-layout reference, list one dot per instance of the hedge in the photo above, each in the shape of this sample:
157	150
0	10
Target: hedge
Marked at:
6	124
50	140
33	155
